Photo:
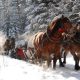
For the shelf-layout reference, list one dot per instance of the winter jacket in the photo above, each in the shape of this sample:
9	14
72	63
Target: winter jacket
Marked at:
21	54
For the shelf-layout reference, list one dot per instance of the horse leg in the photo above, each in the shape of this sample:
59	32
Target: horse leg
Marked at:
40	61
60	62
64	54
49	62
64	57
77	64
76	61
35	57
54	62
38	57
60	59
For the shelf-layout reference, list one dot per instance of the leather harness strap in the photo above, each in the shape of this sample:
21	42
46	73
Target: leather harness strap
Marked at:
52	40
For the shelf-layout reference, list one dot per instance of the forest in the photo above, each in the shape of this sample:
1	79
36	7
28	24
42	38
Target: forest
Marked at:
20	16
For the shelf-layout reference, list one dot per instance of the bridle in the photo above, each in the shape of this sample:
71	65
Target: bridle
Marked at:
62	27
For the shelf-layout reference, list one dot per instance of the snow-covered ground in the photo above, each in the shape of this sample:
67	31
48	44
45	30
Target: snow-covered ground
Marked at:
13	69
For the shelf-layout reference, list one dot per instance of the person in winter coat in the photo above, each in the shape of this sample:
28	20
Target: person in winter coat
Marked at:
20	54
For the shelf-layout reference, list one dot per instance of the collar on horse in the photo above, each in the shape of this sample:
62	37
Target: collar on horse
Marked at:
76	38
52	40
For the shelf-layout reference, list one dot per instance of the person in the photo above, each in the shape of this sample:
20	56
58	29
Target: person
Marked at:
25	45
6	46
20	54
12	42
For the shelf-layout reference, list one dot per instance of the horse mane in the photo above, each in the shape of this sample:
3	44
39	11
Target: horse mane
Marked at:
57	17
55	25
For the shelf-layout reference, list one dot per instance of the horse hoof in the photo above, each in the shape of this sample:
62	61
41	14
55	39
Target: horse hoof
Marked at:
77	68
62	65
54	68
64	62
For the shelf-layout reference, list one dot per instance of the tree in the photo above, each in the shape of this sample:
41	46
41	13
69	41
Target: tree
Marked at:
6	18
20	16
13	16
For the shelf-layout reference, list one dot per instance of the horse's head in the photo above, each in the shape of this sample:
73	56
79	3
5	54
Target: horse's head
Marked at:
72	32
67	25
61	23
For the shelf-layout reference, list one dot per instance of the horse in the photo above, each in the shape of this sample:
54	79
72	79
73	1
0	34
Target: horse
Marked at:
9	45
73	45
49	42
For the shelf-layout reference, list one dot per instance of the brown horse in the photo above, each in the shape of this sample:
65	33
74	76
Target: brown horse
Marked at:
49	42
73	45
9	44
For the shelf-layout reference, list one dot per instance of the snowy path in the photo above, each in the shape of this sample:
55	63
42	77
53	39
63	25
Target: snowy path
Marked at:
12	69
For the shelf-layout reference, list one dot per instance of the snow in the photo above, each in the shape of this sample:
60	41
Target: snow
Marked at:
20	42
38	16
2	41
13	69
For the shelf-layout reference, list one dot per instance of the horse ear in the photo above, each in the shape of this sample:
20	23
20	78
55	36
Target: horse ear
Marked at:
51	25
76	26
62	16
48	29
